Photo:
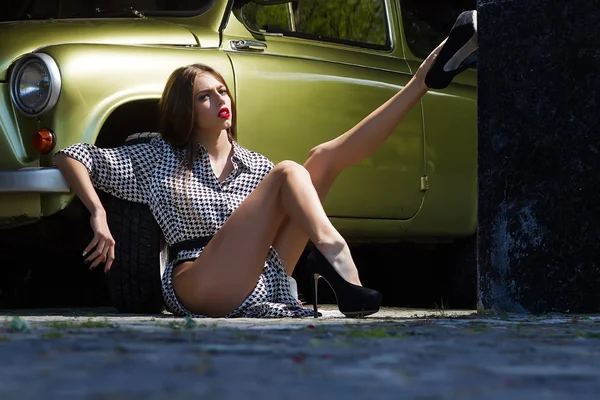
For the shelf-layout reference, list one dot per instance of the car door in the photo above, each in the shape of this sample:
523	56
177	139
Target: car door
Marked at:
449	118
308	70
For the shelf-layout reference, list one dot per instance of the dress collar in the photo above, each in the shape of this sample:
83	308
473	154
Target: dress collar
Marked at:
239	154
243	155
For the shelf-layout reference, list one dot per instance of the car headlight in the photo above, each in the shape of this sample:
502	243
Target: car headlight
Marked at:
35	84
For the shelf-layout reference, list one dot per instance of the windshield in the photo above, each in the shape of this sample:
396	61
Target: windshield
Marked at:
20	10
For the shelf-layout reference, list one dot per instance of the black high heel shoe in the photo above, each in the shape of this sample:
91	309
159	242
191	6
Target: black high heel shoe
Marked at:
353	301
457	54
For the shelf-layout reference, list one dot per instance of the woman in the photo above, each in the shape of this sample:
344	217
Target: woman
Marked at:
224	210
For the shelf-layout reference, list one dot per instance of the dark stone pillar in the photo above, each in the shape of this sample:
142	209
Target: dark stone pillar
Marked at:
539	155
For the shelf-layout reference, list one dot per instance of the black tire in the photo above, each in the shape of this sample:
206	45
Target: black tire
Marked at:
460	258
134	280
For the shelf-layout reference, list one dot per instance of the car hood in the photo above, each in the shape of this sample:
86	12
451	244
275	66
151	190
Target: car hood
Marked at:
23	37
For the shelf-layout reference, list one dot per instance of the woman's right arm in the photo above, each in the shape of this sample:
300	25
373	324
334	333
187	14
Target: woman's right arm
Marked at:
78	178
124	172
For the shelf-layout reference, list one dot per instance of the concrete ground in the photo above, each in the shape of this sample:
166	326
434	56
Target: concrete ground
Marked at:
395	354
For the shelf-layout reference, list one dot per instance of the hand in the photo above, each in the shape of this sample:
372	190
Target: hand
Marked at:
426	64
102	241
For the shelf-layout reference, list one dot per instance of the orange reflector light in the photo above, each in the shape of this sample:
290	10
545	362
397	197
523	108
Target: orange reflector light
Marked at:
44	140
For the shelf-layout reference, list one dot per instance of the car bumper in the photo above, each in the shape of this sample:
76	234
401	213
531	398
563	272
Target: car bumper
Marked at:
33	180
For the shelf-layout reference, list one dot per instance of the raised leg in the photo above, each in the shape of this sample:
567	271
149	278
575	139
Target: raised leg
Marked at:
227	270
328	160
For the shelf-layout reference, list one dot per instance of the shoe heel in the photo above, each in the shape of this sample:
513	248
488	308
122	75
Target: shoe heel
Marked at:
316	284
352	300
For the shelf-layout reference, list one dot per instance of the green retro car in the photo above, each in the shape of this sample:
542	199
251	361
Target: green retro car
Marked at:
301	72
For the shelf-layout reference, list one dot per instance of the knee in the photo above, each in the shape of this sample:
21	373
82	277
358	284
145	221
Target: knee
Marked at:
289	167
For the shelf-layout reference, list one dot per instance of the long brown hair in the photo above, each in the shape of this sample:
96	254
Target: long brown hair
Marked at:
176	109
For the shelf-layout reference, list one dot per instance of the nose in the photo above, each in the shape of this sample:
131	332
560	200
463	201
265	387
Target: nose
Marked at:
221	99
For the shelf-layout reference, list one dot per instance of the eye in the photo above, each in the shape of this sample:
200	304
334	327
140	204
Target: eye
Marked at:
223	91
202	97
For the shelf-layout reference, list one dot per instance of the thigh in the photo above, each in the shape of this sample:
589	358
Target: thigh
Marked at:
227	270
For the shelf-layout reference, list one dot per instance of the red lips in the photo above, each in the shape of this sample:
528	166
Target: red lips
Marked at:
224	113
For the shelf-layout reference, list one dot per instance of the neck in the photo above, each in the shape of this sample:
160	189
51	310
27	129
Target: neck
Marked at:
215	144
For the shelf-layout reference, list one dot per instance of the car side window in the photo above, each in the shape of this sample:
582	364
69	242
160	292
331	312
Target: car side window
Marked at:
353	22
427	23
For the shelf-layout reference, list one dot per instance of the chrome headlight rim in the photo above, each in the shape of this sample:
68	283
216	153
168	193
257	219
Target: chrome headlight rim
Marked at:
54	88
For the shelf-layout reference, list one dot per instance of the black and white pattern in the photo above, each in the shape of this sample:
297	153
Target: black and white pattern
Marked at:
189	206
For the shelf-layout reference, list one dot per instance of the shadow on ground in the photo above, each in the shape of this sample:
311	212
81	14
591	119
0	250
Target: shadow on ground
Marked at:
55	277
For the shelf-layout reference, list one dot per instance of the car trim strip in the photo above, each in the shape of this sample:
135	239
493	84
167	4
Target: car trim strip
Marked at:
33	180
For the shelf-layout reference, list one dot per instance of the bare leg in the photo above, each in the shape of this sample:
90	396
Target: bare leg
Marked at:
227	270
291	240
329	159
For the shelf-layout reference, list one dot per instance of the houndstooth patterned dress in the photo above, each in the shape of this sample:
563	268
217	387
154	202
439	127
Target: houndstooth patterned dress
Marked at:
151	173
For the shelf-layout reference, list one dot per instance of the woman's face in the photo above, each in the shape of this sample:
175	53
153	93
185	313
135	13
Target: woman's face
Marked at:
212	105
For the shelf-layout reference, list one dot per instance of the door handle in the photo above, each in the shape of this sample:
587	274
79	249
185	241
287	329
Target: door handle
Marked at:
245	45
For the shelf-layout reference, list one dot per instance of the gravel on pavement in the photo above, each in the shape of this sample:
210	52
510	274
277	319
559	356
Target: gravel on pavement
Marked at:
396	353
